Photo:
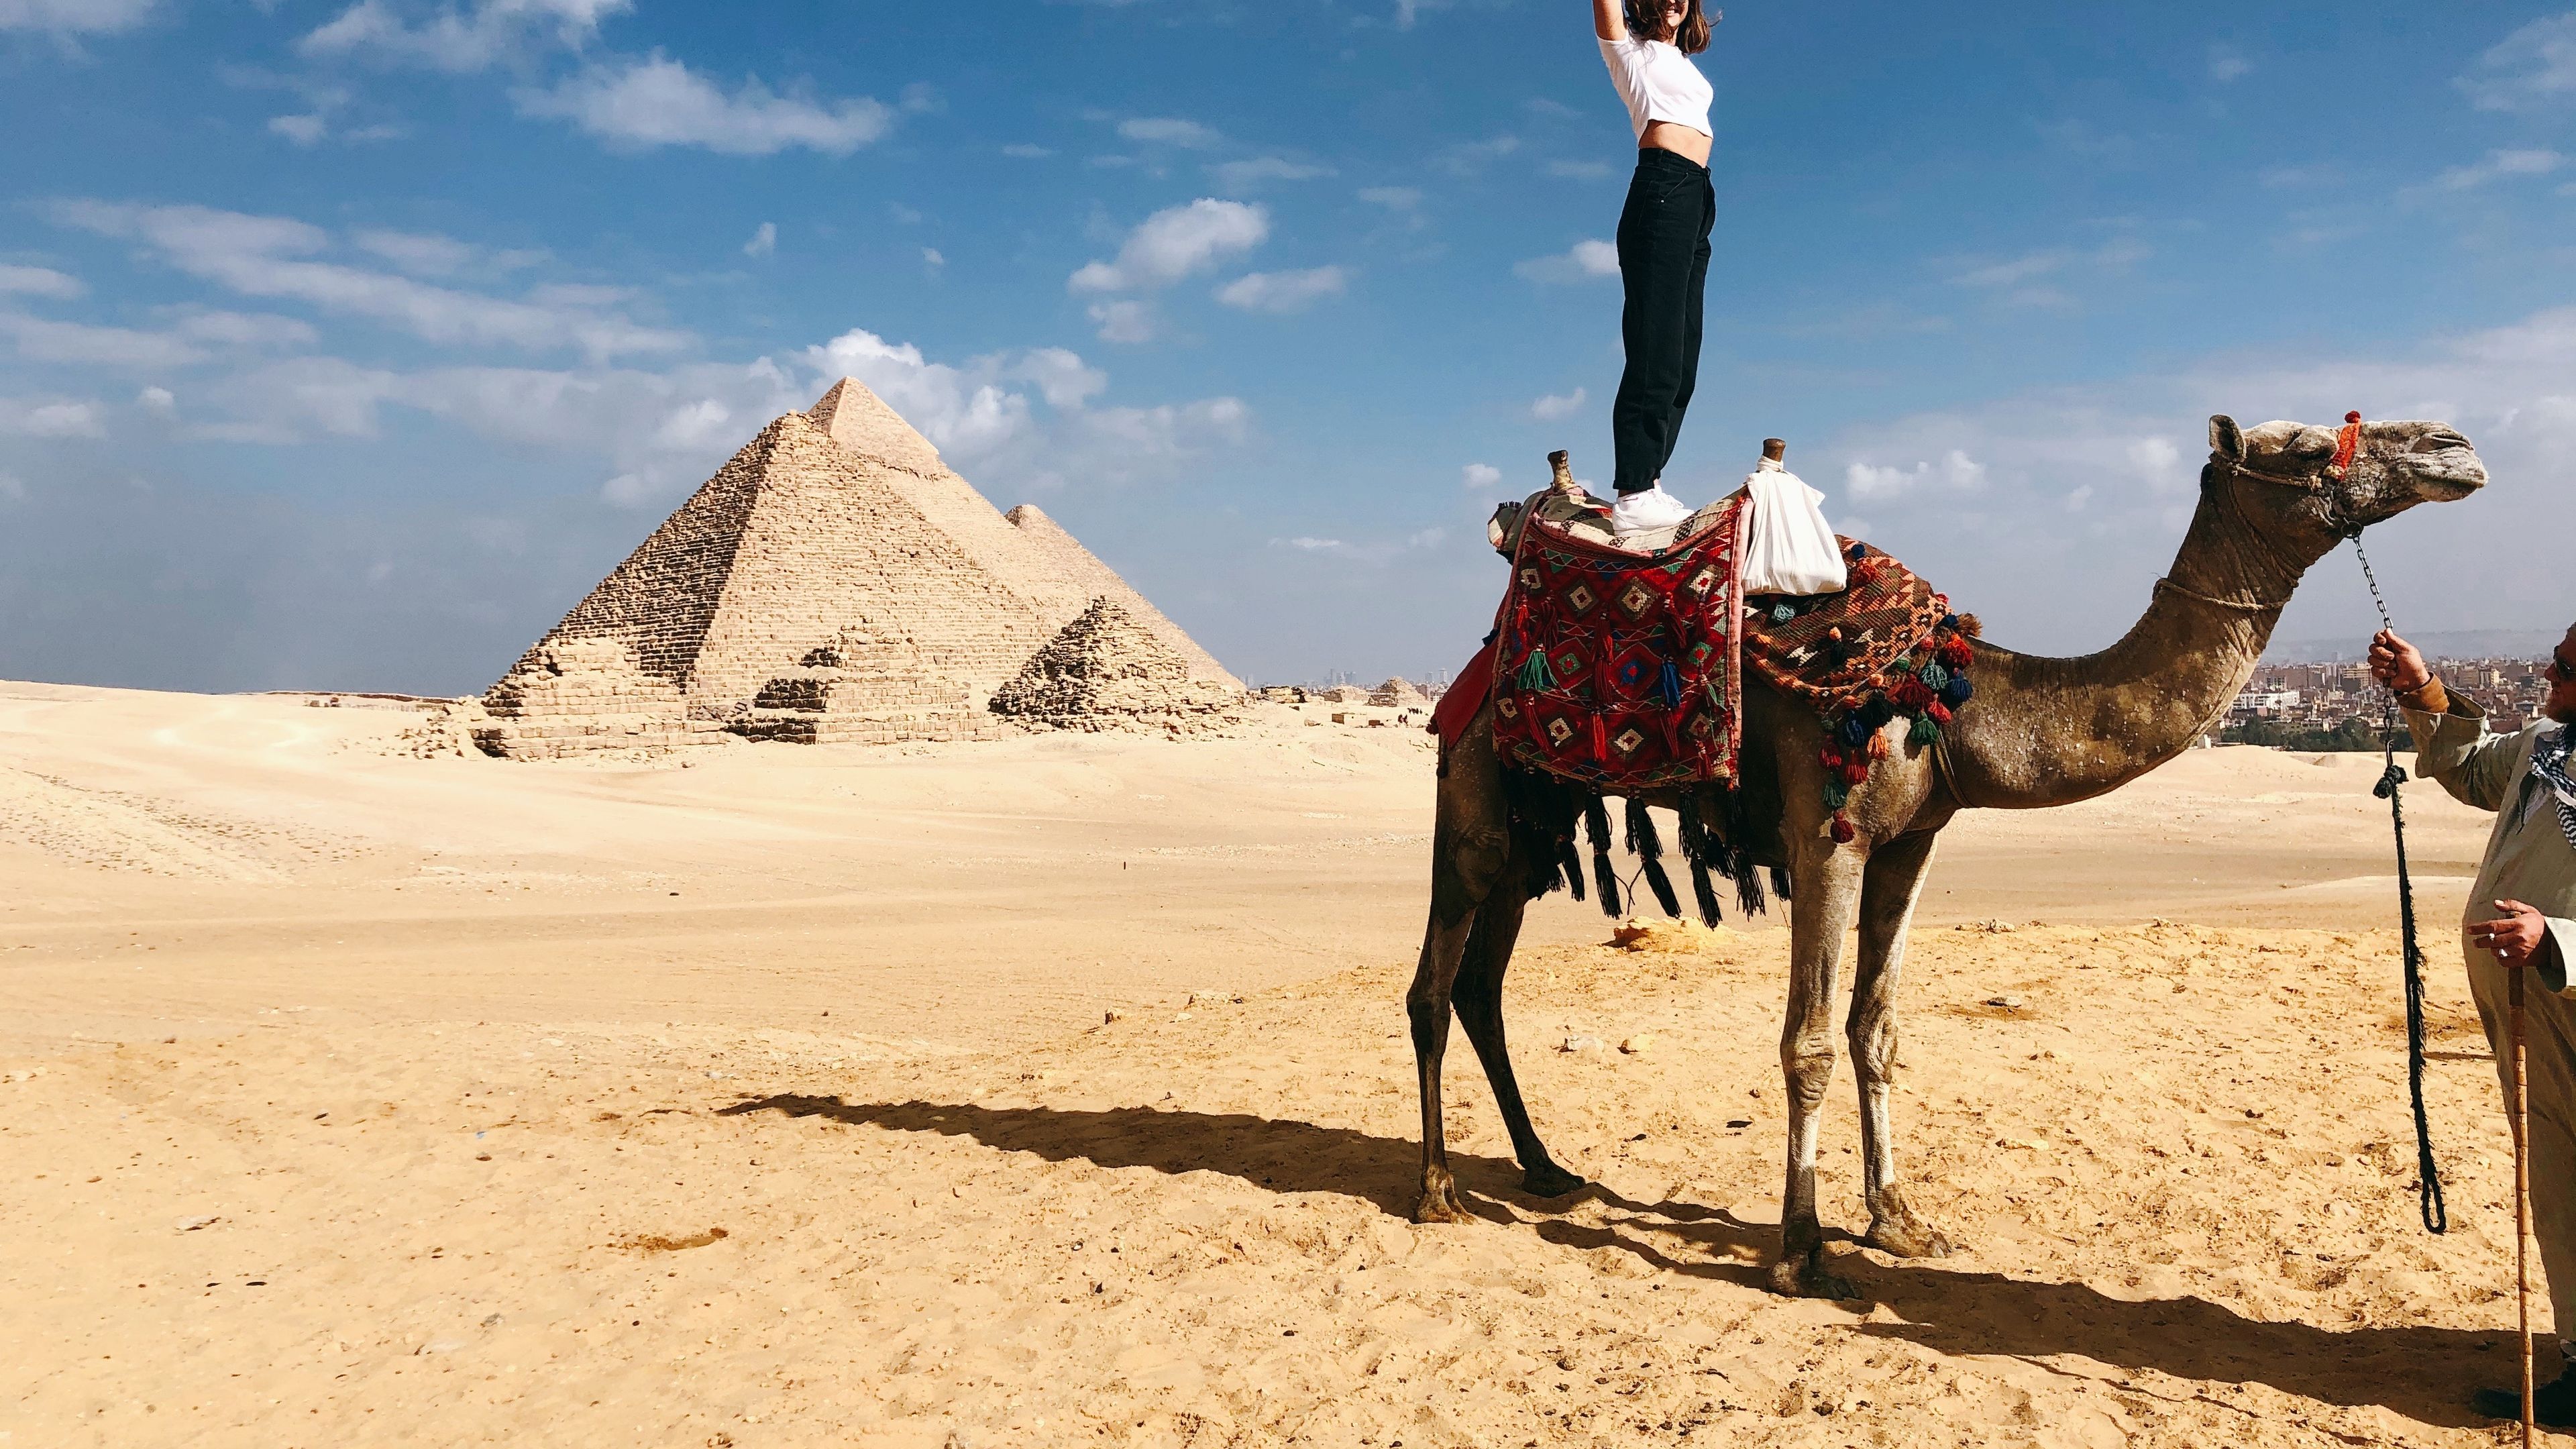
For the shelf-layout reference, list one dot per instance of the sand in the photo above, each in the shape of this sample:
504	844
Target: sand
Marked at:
763	1095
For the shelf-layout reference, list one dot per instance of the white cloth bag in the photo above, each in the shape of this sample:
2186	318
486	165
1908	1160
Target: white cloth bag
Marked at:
1788	547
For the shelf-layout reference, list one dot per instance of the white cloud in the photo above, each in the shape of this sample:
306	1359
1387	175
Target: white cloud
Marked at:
763	241
1470	157
78	344
1585	261
39	282
1245	174
1062	377
156	400
266	256
2227	63
932	258
490	32
427	254
74	17
12	489
1480	477
304	130
53	418
1393	198
1282	291
2498	166
660	102
1579	170
967	408
2530	69
1555	406
1169	131
1123	321
2019	280
1026	151
1955	469
1174	243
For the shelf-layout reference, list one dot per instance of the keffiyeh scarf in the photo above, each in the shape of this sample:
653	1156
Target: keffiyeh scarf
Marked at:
2549	766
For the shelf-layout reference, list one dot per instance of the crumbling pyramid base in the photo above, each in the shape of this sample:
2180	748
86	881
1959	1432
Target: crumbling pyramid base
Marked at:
1107	671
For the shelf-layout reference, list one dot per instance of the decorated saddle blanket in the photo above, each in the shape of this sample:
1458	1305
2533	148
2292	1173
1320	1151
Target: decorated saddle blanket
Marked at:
1625	671
1618	669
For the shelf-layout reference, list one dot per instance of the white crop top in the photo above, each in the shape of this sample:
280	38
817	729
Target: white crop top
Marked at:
1659	83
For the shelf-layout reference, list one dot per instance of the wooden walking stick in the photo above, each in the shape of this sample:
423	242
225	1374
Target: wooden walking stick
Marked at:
2521	1182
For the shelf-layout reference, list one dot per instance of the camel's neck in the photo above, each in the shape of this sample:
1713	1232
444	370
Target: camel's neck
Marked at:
2054	731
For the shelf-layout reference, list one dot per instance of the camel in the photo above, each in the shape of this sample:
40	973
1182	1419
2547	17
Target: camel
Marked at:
2038	732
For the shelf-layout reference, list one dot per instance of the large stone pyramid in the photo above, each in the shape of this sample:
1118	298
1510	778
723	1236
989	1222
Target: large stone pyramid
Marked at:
833	581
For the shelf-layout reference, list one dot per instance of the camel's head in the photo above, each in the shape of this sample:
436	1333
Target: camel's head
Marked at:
2317	498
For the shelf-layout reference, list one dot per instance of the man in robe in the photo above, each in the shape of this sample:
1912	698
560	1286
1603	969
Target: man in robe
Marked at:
2521	915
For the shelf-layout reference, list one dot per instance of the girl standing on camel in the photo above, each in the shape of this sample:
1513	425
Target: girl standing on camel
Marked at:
1663	241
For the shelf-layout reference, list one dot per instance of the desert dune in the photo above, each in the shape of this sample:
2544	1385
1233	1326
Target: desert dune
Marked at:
1054	1090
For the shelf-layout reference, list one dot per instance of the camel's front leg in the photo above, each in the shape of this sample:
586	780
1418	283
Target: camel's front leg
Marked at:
1889	889
1827	880
1471	860
1480	1011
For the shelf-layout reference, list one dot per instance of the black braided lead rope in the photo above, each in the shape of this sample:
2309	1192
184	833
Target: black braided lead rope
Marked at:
2428	1176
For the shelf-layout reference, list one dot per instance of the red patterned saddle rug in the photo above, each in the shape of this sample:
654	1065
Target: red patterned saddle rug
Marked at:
1618	670
1623	671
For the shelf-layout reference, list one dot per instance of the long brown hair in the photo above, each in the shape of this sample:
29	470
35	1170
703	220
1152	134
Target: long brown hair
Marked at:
1646	22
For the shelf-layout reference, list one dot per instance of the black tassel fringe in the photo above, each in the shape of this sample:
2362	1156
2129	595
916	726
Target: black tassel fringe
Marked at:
1648	847
1596	824
1780	882
1570	864
1703	854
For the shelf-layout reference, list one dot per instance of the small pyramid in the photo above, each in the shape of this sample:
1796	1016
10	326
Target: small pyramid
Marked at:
1399	693
1107	670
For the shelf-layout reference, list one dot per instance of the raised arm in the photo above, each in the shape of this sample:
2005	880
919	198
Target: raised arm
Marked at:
1609	20
2452	742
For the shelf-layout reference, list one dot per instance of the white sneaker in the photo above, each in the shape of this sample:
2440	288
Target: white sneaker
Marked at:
1647	511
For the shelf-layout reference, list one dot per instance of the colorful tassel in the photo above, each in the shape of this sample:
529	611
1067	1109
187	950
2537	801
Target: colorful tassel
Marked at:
1835	793
1534	671
1933	675
1842	829
1669	685
1925	731
1958	690
1783	613
1878	747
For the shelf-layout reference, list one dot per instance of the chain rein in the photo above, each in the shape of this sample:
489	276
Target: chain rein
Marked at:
2428	1176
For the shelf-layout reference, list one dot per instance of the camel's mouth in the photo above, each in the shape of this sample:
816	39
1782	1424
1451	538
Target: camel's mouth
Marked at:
2444	466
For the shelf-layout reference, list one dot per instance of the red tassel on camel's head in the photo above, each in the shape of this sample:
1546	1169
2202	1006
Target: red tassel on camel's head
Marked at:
1842	829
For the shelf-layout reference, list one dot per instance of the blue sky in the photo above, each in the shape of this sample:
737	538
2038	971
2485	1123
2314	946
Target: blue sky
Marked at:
347	345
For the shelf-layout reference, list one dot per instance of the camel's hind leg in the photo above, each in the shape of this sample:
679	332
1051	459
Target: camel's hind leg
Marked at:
1471	862
1827	879
1889	889
1480	1011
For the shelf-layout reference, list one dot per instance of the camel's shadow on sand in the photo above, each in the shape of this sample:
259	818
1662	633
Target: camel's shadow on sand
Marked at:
2420	1372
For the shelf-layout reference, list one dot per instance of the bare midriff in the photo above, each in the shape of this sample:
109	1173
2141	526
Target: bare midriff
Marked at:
1679	139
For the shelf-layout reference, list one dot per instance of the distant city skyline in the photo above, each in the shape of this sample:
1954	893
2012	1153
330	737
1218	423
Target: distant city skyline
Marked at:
344	345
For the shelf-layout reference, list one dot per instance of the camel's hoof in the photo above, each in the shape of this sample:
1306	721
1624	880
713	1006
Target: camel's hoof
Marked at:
1894	1228
1805	1277
1908	1236
1440	1203
1549	1180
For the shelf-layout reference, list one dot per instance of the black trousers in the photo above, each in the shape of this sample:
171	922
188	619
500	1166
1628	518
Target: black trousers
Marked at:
1663	265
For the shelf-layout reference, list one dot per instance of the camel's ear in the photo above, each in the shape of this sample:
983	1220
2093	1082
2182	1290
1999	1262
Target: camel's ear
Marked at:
2225	438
